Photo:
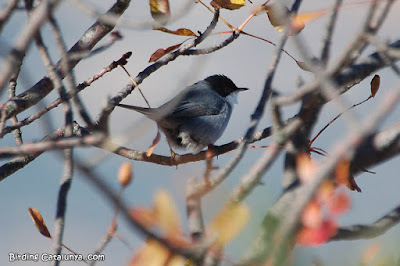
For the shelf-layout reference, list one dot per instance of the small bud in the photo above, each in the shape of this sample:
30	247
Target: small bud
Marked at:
125	174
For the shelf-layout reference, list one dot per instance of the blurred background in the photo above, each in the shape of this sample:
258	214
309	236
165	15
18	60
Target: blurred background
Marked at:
246	62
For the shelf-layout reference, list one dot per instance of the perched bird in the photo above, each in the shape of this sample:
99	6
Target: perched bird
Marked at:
197	116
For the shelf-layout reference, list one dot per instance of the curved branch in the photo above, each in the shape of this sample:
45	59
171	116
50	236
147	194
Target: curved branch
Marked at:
367	231
377	148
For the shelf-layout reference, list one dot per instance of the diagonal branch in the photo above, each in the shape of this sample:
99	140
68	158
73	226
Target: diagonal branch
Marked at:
86	43
17	54
368	231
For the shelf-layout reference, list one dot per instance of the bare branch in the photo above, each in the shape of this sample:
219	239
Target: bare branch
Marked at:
89	39
6	12
15	57
377	148
69	95
326	43
65	185
367	231
16	164
371	26
56	144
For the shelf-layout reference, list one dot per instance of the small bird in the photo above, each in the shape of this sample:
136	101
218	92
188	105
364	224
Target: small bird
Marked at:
197	116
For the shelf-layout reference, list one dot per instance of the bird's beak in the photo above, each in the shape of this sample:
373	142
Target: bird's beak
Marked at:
242	89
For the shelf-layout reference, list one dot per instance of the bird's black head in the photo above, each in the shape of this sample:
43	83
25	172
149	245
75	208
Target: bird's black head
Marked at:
223	85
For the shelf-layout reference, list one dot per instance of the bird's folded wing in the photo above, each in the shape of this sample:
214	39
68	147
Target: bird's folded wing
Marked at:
198	104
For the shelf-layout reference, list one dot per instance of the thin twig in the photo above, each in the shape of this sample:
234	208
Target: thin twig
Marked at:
14	58
328	34
360	42
65	184
14	165
14	120
45	145
89	39
6	12
69	76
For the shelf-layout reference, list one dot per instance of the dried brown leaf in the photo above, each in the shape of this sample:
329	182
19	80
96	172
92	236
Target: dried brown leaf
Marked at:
180	31
375	84
161	52
39	222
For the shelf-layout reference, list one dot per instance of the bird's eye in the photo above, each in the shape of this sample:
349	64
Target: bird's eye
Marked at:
227	90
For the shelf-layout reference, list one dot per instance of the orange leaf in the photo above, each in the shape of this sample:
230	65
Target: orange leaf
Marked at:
125	174
343	176
160	10
154	145
305	167
167	213
229	222
161	52
145	216
299	21
181	31
309	236
370	253
228	4
312	214
375	83
339	204
342	172
153	253
326	191
39	222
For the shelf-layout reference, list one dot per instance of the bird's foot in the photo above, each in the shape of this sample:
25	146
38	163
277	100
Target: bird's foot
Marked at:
210	152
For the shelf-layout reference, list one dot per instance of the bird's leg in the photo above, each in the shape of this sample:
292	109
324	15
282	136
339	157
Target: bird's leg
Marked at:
211	151
173	154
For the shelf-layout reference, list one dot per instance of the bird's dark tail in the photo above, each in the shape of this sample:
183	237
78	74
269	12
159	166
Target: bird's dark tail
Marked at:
149	112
